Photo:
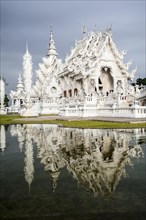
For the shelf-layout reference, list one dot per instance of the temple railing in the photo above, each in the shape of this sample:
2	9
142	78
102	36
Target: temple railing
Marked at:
94	111
126	112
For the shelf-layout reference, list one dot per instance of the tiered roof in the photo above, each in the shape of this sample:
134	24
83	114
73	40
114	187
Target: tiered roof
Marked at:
48	69
88	52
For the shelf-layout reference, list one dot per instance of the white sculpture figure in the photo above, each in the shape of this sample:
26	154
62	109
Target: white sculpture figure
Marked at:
119	88
2	138
2	96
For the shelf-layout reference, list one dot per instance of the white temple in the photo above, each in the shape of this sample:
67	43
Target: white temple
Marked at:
93	81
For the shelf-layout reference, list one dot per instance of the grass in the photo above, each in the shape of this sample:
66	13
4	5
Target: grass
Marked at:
8	119
74	124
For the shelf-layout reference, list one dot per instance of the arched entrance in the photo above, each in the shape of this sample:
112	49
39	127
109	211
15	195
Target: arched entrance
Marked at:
105	81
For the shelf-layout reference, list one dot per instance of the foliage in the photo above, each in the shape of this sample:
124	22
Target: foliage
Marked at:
6	101
140	82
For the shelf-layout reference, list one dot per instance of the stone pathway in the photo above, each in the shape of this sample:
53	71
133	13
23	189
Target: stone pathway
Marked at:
114	119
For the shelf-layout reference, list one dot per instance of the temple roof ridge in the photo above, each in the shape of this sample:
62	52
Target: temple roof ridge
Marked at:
91	46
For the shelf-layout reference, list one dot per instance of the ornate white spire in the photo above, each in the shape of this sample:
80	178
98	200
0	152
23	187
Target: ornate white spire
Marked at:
52	48
27	72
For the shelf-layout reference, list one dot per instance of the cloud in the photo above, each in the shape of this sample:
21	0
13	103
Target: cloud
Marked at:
31	20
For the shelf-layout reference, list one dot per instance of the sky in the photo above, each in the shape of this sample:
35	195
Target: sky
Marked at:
30	21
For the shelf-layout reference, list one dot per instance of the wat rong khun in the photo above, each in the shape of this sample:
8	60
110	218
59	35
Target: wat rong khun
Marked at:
93	82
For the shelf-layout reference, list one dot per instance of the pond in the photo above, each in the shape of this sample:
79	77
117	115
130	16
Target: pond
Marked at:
55	173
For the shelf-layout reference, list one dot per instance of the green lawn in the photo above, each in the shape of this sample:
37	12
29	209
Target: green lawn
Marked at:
8	119
75	124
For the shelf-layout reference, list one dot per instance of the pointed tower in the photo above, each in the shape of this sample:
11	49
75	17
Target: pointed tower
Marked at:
52	48
47	88
27	73
29	108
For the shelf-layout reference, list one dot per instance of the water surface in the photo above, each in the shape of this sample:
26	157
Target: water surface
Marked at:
50	172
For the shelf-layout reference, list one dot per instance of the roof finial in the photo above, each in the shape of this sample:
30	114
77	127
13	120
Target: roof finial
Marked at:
95	29
20	84
19	78
109	30
51	32
26	47
52	48
27	51
84	30
51	27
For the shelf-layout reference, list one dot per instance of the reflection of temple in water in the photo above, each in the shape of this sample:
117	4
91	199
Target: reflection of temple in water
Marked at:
95	157
28	168
2	138
25	140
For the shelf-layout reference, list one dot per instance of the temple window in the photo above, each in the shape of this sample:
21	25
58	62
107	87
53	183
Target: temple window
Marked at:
70	92
65	93
75	91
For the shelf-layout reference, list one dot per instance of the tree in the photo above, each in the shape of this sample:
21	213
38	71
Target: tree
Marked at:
6	101
133	84
140	81
144	81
